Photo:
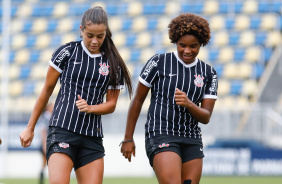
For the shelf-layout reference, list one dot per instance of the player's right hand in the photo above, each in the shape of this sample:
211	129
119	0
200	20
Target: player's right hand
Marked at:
26	137
127	150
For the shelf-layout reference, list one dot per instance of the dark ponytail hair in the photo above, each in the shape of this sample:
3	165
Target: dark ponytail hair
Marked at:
97	15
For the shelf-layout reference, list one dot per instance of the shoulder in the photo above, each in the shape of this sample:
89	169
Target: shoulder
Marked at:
68	47
209	68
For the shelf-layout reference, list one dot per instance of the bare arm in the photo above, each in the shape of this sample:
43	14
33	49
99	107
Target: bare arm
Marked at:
201	114
26	136
127	149
104	108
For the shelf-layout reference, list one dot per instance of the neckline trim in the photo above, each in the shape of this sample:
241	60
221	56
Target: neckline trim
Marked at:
183	63
88	53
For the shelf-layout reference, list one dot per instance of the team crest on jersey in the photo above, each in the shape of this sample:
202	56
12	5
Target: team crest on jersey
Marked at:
64	145
104	69
199	81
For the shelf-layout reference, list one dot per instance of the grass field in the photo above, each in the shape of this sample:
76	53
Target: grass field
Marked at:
205	180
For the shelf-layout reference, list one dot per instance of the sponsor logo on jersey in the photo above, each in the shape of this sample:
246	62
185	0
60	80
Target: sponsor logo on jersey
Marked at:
63	145
199	81
62	55
149	67
104	69
213	84
164	145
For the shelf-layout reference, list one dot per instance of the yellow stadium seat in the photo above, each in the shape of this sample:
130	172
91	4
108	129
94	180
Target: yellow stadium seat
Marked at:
39	71
225	54
16	26
22	56
242	22
172	8
26	103
115	23
274	38
125	54
60	9
38	87
39	25
249	87
230	71
253	54
224	87
143	39
217	22
24	10
146	54
250	6
245	70
203	54
42	41
15	88
268	21
139	23
18	41
99	3
14	71
247	38
45	55
66	38
211	6
119	39
65	25
135	8
163	23
165	40
221	38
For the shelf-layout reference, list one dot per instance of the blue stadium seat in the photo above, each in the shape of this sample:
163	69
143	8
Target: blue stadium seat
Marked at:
77	9
260	37
28	88
30	40
39	10
239	54
126	24
219	69
25	71
130	39
213	54
52	25
27	25
236	86
34	56
229	22
153	8
135	55
255	22
234	38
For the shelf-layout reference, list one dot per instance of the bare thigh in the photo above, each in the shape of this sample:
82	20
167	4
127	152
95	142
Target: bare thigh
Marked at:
167	166
59	167
91	173
192	170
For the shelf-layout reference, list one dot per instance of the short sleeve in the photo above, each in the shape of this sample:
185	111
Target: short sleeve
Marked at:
60	57
212	85
120	81
150	71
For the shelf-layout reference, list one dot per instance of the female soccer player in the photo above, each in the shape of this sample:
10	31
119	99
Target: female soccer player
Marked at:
183	93
87	70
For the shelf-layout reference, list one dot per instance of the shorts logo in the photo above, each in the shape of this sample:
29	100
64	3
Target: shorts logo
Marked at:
64	145
199	81
104	69
164	145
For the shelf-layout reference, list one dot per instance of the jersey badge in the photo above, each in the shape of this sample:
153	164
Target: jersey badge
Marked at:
164	145
104	69
199	81
64	145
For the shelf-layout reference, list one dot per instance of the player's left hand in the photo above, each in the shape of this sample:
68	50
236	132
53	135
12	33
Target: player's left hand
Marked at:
181	98
82	105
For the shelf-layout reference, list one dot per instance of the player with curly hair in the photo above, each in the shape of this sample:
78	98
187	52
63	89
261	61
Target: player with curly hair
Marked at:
183	94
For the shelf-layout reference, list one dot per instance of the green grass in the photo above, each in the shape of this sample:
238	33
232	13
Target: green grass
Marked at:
204	180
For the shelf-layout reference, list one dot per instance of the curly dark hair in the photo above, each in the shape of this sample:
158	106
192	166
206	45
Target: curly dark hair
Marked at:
189	24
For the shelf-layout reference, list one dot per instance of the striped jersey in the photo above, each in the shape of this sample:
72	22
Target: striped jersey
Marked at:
163	73
84	74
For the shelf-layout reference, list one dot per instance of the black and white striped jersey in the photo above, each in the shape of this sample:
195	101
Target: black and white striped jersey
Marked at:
163	73
84	74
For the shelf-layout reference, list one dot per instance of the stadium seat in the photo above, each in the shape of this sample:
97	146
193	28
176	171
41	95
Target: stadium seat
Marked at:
250	6
224	87
39	25
15	88
24	10
269	22
60	9
139	24
211	7
42	41
226	54
172	8
253	54
18	41
247	38
143	39
220	38
22	56
135	8
242	22
249	87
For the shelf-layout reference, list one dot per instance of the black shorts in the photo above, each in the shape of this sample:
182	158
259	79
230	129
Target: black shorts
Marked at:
81	149
187	148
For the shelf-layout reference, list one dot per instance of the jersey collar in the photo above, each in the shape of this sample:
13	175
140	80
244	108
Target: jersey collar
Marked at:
88	53
184	64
